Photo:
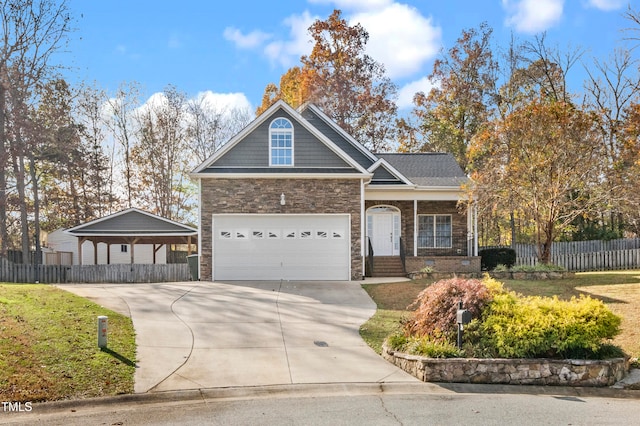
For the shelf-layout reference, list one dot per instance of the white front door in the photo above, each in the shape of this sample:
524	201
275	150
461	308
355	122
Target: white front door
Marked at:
382	239
383	229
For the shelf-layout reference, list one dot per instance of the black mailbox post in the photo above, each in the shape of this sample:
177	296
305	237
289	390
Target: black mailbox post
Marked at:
463	317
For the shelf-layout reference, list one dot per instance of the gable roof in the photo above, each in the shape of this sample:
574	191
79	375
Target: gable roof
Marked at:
385	174
344	140
434	169
131	223
347	165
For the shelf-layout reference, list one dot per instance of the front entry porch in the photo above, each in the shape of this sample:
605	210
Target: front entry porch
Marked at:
406	236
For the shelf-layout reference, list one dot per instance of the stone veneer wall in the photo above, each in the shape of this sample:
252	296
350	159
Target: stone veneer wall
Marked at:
460	264
511	371
306	196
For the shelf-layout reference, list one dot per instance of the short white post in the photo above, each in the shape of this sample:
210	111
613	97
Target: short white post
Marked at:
102	331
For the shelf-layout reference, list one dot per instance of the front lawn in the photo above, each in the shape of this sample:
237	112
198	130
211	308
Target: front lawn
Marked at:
620	291
48	342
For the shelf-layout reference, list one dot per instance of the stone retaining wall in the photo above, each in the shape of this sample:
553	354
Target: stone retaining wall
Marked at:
511	371
537	276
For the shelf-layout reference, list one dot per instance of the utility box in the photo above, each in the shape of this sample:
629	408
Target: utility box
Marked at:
463	316
194	266
102	331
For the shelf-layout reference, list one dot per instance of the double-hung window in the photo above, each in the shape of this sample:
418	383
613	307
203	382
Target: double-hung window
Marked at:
434	231
281	142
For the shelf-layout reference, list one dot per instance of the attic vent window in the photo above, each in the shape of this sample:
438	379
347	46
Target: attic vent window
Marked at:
281	142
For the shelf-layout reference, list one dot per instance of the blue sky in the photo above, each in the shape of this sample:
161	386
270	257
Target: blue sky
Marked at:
238	47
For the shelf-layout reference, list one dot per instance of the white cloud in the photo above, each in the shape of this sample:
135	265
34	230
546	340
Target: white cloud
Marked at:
246	41
400	38
408	91
608	5
533	16
175	41
288	52
225	101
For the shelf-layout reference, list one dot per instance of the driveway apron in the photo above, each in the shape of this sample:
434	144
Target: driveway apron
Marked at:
225	334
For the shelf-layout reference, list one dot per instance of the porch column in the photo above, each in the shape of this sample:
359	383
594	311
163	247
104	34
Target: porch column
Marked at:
415	227
475	228
133	244
472	229
80	241
95	252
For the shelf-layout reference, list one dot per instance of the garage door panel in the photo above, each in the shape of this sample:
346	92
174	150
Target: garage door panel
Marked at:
272	247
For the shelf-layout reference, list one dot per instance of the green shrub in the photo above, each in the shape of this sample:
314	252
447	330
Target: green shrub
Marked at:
423	346
437	306
492	257
501	268
532	327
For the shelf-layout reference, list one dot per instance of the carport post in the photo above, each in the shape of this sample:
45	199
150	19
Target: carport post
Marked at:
102	331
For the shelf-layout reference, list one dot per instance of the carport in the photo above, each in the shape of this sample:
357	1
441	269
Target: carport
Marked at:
133	227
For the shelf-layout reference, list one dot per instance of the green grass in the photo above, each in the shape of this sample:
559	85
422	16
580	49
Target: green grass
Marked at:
392	301
48	342
620	290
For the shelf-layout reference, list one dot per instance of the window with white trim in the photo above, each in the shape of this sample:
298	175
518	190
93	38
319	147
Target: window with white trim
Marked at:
281	142
434	231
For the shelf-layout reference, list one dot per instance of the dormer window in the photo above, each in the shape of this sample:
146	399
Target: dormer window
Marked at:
281	142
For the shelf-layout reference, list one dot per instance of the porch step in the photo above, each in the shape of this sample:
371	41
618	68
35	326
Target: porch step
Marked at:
387	266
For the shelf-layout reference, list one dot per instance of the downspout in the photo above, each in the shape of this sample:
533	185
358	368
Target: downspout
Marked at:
363	224
415	227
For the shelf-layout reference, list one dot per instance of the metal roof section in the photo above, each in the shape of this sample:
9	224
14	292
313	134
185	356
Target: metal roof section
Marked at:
428	169
132	222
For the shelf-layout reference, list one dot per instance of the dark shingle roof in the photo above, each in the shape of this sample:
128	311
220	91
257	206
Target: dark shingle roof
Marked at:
428	169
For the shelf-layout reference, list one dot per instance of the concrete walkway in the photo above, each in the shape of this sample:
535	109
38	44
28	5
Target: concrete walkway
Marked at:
196	335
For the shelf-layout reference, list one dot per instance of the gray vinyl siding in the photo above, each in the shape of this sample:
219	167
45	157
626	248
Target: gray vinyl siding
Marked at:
382	175
253	150
337	139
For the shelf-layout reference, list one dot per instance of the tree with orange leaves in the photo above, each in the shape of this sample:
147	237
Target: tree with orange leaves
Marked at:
347	84
546	159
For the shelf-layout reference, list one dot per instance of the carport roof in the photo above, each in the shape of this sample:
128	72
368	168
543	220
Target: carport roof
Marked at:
134	225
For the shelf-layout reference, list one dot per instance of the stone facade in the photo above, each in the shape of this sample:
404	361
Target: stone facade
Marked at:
458	264
511	371
306	196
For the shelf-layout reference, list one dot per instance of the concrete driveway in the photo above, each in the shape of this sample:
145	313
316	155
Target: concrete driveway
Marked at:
205	335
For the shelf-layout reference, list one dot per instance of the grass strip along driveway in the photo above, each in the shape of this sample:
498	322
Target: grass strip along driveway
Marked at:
619	290
48	342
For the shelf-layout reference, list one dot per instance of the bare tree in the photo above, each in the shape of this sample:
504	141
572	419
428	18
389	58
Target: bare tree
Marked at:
161	155
121	124
209	125
89	108
31	31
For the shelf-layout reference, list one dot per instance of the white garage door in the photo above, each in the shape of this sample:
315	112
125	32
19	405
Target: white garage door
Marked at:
274	247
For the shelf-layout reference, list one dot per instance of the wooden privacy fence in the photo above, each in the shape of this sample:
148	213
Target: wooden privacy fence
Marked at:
595	261
123	273
575	247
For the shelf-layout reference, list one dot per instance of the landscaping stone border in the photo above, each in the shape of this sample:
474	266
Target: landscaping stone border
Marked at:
442	275
540	275
593	373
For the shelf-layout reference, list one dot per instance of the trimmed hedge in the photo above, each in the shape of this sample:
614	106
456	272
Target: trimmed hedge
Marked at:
514	326
492	257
